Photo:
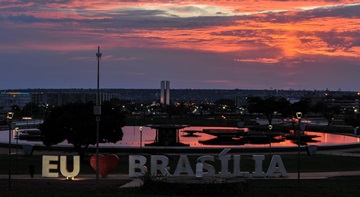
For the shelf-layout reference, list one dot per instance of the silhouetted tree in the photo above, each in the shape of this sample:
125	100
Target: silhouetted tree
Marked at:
179	110
300	106
17	111
328	112
76	123
351	118
268	106
207	108
228	102
31	109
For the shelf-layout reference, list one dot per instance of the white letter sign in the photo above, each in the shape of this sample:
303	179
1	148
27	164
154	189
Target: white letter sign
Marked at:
162	167
140	165
258	165
47	166
76	166
160	164
183	166
276	165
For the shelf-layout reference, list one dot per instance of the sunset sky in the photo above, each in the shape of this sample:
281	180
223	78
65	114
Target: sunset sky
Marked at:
200	44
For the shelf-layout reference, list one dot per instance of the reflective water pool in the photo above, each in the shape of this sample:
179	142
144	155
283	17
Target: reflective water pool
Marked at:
199	139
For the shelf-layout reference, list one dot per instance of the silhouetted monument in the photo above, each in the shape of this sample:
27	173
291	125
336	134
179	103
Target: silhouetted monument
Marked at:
167	135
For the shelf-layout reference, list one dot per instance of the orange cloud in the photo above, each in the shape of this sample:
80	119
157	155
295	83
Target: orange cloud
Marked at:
255	26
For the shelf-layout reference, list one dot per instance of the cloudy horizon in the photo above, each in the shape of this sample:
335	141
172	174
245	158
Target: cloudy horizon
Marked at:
199	44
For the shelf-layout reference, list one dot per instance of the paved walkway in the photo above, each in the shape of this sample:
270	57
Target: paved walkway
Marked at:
136	182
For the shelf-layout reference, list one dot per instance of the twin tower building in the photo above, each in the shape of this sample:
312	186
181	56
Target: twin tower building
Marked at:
165	92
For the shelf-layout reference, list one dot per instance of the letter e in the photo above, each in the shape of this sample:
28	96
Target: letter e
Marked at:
46	166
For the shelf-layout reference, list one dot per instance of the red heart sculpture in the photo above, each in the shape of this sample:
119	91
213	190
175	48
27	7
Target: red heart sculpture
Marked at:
107	163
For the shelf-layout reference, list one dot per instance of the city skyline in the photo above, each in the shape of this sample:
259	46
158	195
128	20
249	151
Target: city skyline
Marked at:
200	44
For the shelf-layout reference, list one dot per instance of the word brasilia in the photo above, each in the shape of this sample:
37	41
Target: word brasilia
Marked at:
160	163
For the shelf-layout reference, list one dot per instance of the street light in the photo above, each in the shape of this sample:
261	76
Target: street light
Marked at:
140	129
299	116
16	135
224	118
9	117
270	128
97	112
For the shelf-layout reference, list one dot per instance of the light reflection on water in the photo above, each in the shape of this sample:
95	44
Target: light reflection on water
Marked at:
131	138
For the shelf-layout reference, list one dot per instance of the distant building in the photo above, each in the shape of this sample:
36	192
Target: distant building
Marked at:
37	98
165	92
9	99
62	98
348	100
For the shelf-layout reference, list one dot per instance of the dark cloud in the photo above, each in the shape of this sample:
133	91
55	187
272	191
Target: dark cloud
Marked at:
32	19
134	18
352	11
142	20
45	1
340	40
21	18
337	11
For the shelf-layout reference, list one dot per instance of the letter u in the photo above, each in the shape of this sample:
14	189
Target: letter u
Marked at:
76	166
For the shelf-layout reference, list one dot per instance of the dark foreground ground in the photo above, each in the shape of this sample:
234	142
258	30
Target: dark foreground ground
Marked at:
55	187
336	186
61	185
